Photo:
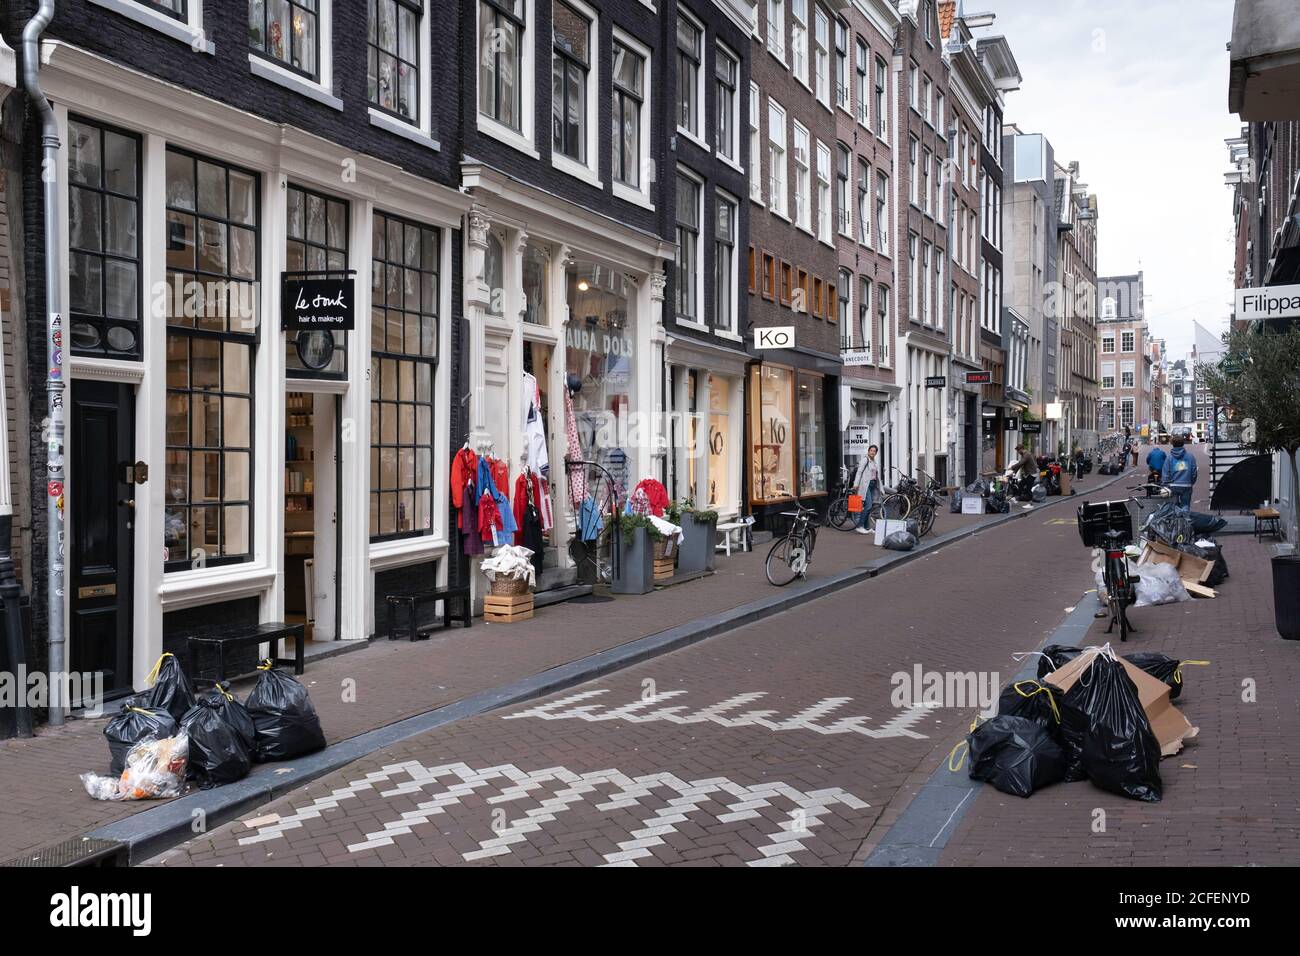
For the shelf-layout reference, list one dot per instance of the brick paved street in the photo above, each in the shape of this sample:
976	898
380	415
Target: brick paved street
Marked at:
773	743
395	680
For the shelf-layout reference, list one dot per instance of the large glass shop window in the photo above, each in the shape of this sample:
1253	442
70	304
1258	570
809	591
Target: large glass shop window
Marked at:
771	397
212	320
316	240
103	241
719	441
600	340
403	358
812	436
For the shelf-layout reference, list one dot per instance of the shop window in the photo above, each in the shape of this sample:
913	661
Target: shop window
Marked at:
501	62
812	436
288	32
103	241
537	286
393	49
316	240
403	360
212	320
719	495
771	396
600	340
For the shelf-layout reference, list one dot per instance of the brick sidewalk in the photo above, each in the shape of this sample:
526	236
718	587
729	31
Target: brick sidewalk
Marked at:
396	680
1231	797
773	743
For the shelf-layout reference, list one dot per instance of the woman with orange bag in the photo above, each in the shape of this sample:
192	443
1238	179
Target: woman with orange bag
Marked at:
866	483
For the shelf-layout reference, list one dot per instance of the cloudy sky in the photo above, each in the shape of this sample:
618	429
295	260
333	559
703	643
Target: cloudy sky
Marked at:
1136	91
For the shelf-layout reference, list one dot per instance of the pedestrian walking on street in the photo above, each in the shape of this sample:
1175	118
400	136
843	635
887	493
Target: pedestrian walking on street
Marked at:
1078	463
866	480
1179	473
1155	464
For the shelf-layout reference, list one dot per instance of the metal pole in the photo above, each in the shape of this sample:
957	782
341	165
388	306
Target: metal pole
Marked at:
54	269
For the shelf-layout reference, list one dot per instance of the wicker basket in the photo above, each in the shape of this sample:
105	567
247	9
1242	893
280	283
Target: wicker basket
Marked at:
660	549
504	587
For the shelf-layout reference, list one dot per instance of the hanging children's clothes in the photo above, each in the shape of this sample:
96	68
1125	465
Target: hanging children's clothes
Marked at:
577	476
531	533
469	523
500	500
656	494
490	521
590	521
534	427
531	490
500	474
464	471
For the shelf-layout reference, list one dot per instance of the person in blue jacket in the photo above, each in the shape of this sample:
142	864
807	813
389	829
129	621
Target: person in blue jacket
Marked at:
1155	463
1179	473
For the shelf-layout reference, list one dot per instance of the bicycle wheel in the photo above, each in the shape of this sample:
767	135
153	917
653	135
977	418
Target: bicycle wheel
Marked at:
780	562
924	515
838	516
896	506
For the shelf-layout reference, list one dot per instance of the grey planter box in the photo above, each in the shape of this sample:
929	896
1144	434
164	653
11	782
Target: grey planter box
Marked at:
634	571
698	541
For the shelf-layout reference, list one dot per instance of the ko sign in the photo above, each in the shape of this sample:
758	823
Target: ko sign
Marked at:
774	337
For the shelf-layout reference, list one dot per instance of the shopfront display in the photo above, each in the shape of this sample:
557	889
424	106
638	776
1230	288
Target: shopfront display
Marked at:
772	412
812	435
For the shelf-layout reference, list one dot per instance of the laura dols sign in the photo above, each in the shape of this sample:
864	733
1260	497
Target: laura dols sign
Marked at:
1269	302
307	304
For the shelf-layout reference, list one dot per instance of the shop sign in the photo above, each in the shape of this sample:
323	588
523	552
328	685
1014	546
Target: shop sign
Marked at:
856	356
1032	428
774	337
936	381
1011	424
317	304
859	438
979	378
1271	302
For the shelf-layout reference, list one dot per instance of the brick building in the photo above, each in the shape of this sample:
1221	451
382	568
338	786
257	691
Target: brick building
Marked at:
1076	304
1124	356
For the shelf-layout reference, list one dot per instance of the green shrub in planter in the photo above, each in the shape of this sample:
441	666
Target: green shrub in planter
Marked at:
634	568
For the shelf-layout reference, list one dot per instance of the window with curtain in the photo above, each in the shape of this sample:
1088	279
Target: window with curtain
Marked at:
812	435
103	241
724	265
843	202
689	57
393	57
688	247
501	61
726	76
776	157
864	202
629	97
403	359
288	32
771	398
213	254
865	320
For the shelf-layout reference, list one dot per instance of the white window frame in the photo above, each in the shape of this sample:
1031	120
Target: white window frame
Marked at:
825	172
914	87
822	56
588	172
778	158
189	31
320	89
721	49
1127	341
843	65
799	40
881	199
776	29
524	140
939	111
700	241
914	168
866	199
641	196
802	178
1108	337
732	330
420	129
701	88
862	81
927	96
844	212
881	93
866	302
756	181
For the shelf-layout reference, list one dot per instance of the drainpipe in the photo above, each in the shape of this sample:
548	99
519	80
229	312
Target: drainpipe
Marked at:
54	268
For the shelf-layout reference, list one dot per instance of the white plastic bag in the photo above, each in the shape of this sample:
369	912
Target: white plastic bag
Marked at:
155	769
1159	584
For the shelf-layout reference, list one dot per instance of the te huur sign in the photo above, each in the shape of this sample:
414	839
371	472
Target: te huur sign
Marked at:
308	304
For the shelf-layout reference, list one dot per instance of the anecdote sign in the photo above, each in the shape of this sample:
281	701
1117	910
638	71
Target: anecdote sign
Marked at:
326	304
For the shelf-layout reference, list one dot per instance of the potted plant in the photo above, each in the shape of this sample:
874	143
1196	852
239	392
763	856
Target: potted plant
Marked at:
699	535
634	571
1259	379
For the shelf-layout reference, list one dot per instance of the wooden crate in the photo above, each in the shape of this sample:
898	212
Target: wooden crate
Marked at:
664	568
507	608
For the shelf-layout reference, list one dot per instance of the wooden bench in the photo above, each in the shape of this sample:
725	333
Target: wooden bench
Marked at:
410	602
1267	521
244	635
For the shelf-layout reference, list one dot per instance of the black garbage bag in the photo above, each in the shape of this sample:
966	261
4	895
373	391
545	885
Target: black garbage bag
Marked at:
900	541
1213	553
283	715
1169	524
220	750
1056	656
998	504
1034	701
978	487
1015	754
133	723
954	504
1106	735
171	689
1204	524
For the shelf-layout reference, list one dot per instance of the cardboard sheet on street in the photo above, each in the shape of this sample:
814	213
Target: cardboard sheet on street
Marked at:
1190	568
1168	724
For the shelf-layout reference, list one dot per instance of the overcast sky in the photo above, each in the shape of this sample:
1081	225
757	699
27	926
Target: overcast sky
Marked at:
1137	92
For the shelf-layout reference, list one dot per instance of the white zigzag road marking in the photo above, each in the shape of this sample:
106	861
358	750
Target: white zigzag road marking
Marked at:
807	719
688	797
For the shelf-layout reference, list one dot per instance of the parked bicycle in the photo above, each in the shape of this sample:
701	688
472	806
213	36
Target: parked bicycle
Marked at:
1108	525
790	555
838	515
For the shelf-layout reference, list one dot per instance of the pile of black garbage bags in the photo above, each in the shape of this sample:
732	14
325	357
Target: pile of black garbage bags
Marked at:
1097	730
275	722
995	502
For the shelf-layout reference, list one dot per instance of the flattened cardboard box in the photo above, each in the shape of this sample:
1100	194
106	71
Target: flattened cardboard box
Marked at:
1189	566
1168	724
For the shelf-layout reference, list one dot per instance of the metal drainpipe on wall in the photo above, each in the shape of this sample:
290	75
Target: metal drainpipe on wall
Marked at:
56	489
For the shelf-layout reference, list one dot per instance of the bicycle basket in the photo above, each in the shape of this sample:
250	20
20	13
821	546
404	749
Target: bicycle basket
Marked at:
1096	519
